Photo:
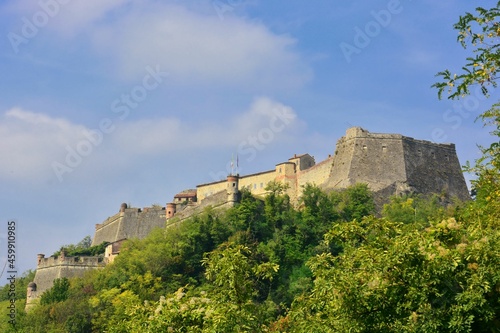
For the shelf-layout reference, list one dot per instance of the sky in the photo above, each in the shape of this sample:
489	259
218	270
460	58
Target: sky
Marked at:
104	102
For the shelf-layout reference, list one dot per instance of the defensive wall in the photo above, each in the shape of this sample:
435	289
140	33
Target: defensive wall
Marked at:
51	268
395	164
129	223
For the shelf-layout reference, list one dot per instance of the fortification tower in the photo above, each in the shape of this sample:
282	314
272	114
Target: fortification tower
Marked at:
232	189
31	296
123	207
396	164
170	210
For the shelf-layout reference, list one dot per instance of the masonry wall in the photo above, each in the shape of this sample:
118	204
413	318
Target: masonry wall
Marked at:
108	230
434	168
206	190
392	164
341	162
52	268
132	223
378	160
258	182
317	175
372	158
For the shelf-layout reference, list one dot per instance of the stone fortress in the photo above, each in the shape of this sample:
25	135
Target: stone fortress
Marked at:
389	163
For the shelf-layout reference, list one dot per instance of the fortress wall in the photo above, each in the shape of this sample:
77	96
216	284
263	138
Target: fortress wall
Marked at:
216	200
107	230
434	168
132	223
68	261
317	175
53	268
341	162
138	224
378	160
257	183
44	278
372	158
205	190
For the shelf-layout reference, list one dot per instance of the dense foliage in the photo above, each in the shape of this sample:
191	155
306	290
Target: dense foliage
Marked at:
83	248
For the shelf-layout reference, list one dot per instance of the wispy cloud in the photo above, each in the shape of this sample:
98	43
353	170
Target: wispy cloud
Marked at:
198	47
32	141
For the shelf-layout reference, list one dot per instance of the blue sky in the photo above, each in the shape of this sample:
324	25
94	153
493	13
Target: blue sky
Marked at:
104	102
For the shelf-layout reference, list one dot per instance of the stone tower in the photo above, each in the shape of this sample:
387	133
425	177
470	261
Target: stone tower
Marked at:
232	189
170	210
396	164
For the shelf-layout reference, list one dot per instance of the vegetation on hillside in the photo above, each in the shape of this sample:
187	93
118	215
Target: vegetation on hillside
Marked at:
83	248
266	266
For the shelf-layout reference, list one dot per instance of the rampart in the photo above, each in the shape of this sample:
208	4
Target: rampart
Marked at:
52	268
129	223
393	163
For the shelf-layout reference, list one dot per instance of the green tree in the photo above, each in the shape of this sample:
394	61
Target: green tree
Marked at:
393	277
418	209
58	292
235	274
354	202
277	204
480	31
317	215
248	215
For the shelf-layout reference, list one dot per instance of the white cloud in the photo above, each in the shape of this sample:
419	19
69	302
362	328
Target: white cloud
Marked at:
167	134
188	40
31	142
197	46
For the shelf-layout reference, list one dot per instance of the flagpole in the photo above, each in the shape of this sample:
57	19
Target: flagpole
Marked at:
232	164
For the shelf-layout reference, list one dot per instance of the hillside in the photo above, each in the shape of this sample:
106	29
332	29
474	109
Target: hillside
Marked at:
264	266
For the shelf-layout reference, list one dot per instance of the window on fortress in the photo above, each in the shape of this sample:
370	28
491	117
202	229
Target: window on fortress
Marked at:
384	149
364	147
254	186
261	185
